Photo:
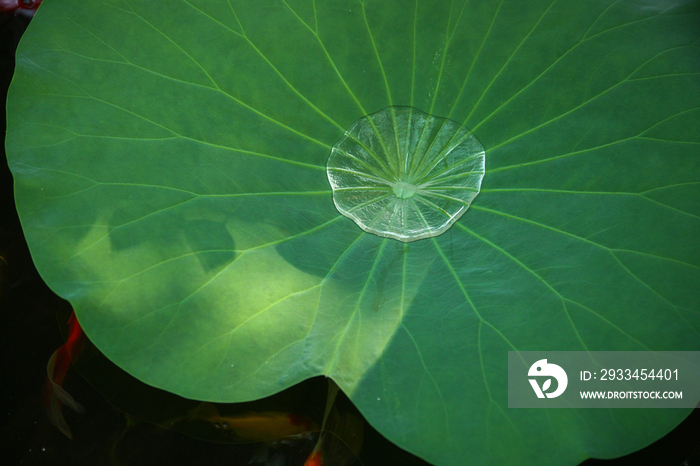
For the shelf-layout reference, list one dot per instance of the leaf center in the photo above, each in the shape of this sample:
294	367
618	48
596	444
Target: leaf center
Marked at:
403	174
404	190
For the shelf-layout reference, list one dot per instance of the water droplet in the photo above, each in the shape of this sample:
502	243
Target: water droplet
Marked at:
403	174
379	399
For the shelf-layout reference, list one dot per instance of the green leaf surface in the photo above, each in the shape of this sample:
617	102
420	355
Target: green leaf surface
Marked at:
170	169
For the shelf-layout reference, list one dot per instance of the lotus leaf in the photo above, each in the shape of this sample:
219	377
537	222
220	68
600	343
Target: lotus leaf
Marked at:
170	161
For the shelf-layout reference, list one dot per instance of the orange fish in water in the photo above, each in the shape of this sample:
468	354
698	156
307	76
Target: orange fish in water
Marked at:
57	368
314	459
24	7
254	426
340	437
332	450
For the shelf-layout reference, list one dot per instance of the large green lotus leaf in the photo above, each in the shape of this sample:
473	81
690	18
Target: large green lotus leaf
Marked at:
170	166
